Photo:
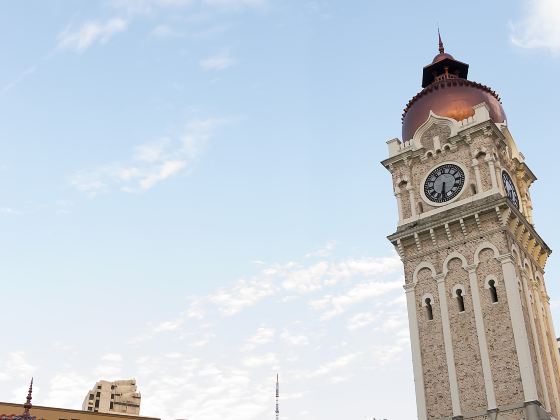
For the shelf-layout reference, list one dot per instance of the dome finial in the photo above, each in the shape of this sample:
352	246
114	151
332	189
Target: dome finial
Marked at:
441	48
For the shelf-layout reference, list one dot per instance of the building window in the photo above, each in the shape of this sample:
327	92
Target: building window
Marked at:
98	394
111	405
96	403
90	409
493	291
429	310
91	396
460	300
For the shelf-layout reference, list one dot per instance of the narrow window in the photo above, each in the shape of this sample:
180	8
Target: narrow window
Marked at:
429	310
420	208
493	291
460	300
473	189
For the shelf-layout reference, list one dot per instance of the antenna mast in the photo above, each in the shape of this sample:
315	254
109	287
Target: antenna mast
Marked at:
277	397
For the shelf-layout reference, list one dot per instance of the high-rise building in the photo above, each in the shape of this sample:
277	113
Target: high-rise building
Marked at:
483	343
120	397
34	412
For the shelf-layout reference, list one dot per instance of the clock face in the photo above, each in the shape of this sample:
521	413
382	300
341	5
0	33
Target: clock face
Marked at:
444	183
510	189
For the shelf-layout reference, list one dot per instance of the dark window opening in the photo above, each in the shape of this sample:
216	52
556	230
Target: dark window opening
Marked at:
111	405
493	291
429	310
98	394
460	300
91	396
473	189
96	403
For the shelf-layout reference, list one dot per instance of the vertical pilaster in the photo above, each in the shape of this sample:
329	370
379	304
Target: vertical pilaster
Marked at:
477	175
482	344
416	352
412	199
546	342
448	343
519	331
492	169
536	343
399	205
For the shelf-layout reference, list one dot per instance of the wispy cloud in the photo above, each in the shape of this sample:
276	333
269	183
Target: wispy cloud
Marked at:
90	33
324	251
540	28
153	6
22	76
217	62
223	350
150	163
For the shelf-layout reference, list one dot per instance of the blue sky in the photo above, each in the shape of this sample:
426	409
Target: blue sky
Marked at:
191	193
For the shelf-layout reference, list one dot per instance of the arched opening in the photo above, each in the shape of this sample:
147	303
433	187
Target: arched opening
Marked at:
473	189
493	291
429	309
460	300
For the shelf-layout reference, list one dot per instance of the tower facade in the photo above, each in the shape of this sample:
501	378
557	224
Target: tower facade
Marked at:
483	343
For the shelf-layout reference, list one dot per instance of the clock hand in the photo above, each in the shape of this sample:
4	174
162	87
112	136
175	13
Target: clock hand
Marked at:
443	188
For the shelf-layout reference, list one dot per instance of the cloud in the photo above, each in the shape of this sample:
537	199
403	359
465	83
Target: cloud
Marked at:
67	390
540	28
325	251
147	7
217	62
22	76
150	163
243	295
361	320
262	336
16	366
218	356
295	340
234	4
338	304
268	359
90	33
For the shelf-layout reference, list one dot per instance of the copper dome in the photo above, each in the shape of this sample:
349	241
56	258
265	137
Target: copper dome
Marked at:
448	93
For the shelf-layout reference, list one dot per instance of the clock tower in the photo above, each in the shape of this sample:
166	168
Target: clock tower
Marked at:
483	342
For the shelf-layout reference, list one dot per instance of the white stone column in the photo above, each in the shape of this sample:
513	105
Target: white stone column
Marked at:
492	168
546	343
477	175
448	342
416	352
399	205
536	343
481	334
519	331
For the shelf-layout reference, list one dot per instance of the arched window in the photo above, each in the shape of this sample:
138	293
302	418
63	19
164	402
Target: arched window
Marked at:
460	300
429	310
493	291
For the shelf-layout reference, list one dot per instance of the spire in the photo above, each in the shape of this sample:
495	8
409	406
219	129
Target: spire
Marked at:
27	406
441	48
